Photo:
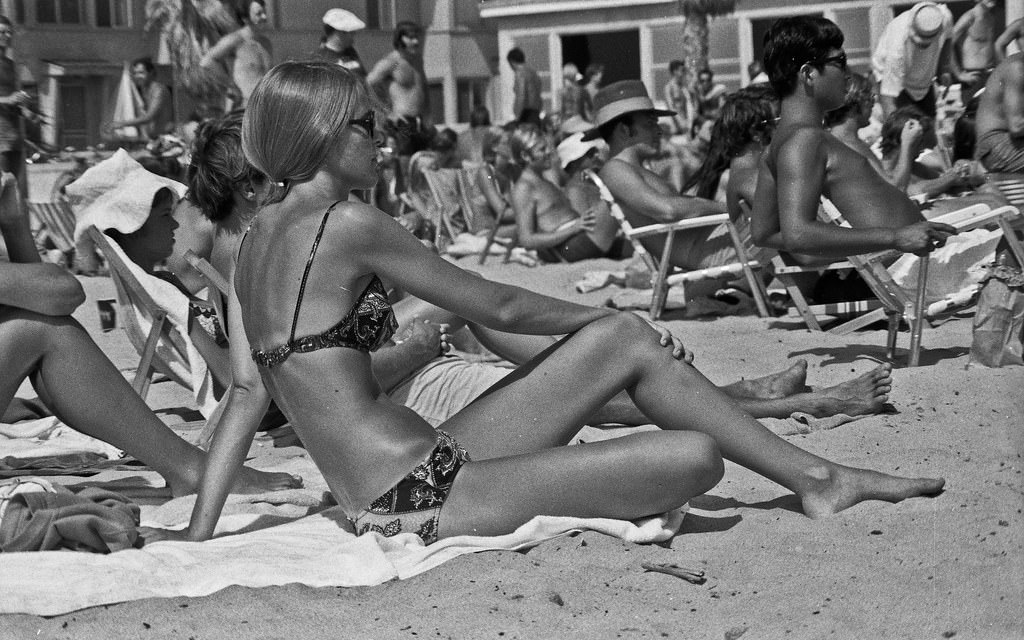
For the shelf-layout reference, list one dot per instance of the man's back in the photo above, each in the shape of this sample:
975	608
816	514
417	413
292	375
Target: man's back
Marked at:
991	112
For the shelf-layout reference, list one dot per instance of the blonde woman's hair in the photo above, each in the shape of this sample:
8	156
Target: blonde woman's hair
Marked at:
296	114
522	141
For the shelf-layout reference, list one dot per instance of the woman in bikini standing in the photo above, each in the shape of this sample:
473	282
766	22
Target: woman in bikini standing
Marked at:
307	287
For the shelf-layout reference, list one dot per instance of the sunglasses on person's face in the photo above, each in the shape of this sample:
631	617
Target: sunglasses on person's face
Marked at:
838	60
367	123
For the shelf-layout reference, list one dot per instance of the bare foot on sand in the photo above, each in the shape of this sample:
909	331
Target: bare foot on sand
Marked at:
842	487
774	386
249	481
864	395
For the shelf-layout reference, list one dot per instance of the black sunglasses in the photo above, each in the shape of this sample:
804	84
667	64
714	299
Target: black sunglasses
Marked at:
368	123
838	60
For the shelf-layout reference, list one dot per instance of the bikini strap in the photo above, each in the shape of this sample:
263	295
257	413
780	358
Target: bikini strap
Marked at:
305	274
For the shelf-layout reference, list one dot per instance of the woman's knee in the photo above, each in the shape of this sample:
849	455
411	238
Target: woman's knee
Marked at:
694	458
620	333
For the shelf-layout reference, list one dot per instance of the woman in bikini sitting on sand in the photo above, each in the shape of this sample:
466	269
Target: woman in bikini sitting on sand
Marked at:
313	317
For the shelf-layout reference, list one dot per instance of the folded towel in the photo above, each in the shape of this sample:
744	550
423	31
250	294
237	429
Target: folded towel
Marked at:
50	438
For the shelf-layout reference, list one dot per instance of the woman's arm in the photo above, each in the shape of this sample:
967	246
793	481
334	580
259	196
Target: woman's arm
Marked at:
386	249
247	403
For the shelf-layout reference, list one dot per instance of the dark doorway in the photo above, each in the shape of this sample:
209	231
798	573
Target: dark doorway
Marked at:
618	51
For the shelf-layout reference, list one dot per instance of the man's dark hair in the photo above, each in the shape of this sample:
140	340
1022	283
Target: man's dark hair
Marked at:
5	20
479	116
892	128
606	129
242	9
675	64
790	43
516	56
146	62
408	29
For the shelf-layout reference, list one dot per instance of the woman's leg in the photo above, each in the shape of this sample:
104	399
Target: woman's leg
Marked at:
84	389
544	402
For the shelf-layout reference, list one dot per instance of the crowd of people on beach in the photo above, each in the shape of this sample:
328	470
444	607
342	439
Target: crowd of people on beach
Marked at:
335	321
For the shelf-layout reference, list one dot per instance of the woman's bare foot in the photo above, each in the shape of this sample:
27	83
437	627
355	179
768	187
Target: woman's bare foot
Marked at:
864	395
836	488
249	481
783	384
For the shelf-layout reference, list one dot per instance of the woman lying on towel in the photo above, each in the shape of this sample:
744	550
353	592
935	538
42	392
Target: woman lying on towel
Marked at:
310	304
40	341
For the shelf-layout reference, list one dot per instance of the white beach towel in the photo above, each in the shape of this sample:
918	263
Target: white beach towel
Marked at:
318	550
49	437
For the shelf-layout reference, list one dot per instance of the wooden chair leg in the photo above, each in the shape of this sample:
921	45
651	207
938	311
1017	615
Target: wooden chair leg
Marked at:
917	319
890	341
145	371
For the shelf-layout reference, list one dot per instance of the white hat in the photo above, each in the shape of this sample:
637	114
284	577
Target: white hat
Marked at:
926	20
116	194
574	148
341	20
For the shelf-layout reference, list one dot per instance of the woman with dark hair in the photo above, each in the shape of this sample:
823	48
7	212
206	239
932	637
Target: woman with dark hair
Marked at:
245	50
502	460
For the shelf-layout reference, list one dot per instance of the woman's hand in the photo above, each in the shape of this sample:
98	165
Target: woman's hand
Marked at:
426	338
679	352
588	219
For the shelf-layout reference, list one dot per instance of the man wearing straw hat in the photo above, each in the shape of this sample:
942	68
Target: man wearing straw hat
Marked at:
912	49
628	121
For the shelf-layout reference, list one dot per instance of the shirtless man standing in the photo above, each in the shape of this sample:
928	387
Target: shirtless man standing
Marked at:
807	68
628	122
974	36
1000	119
399	78
250	51
545	218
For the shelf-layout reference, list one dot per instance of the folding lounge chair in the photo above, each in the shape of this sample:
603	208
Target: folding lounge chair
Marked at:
215	283
132	298
59	223
475	219
897	302
663	275
444	189
1010	185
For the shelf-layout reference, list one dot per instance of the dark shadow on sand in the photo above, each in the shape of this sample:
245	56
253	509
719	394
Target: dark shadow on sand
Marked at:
853	352
709	502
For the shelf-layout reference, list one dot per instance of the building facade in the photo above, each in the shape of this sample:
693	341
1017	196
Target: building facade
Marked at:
74	52
638	38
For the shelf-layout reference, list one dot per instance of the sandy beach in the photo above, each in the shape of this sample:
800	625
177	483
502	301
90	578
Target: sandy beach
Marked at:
942	567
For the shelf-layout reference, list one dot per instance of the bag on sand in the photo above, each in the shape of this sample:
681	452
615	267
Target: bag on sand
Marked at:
999	321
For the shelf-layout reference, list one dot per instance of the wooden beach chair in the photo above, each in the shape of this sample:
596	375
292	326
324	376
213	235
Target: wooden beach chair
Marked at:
901	304
132	298
218	286
663	274
57	222
477	221
1010	185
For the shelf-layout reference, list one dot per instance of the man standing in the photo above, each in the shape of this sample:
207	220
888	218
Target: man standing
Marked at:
679	98
974	38
337	44
628	122
909	55
12	99
1000	119
399	78
527	103
710	95
157	117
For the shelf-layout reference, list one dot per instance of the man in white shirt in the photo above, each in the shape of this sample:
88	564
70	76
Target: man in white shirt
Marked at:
912	49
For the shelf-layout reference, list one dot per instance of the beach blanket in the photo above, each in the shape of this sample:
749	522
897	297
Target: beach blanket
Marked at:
49	438
318	550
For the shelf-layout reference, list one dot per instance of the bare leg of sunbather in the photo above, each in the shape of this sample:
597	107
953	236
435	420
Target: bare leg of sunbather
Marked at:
563	386
84	389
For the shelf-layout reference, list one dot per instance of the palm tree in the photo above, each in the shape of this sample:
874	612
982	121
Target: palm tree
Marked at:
189	28
695	31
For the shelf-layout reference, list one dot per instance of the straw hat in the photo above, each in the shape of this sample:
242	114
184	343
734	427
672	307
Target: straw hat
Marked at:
574	148
926	20
619	98
116	194
341	20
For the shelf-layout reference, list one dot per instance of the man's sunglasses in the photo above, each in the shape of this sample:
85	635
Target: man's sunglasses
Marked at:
838	60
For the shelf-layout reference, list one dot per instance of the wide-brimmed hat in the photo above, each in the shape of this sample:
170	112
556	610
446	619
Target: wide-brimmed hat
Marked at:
575	147
926	20
341	20
619	98
116	194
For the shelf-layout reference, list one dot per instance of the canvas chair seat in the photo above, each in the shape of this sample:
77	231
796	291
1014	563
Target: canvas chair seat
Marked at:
157	330
57	222
911	305
663	274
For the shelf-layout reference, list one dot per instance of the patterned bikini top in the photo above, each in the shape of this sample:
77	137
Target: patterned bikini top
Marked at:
367	326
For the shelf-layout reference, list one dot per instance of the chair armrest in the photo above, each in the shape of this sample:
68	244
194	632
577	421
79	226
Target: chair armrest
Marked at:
680	225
